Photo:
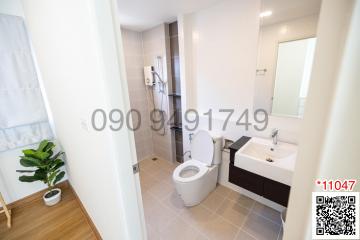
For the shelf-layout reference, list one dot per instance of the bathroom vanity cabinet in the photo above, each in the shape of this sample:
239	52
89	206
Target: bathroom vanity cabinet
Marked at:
268	188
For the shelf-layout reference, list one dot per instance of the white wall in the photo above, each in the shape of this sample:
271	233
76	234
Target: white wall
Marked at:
329	139
222	57
11	7
78	55
216	70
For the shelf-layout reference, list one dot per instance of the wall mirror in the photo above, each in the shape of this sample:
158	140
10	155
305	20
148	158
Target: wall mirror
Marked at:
286	46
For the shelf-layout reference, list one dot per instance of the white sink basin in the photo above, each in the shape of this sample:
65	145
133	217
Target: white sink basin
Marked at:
275	162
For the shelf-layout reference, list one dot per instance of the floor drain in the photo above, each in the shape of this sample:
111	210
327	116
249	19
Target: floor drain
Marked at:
154	158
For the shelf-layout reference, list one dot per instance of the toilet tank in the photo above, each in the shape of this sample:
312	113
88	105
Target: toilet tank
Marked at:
217	149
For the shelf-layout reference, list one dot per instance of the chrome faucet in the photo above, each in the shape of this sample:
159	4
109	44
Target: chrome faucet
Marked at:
274	135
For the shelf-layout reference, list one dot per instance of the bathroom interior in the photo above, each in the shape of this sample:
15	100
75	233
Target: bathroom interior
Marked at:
216	99
193	186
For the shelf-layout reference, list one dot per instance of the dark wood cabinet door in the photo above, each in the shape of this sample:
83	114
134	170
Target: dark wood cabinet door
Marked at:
276	191
246	179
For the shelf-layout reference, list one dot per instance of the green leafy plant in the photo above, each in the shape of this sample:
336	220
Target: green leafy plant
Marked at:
46	165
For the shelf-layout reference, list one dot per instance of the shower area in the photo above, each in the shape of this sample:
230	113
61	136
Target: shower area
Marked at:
153	77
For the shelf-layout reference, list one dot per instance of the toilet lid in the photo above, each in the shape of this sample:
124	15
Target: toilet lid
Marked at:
202	148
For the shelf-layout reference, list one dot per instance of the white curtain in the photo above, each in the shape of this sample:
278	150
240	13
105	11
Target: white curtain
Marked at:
23	117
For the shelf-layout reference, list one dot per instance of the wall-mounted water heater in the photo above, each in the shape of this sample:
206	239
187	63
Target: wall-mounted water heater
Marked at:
149	75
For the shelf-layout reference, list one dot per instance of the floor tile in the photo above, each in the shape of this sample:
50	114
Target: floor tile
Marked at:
174	202
244	236
145	164
153	169
201	236
241	199
219	216
222	190
179	230
146	180
166	165
152	234
281	233
233	212
159	217
149	202
261	228
219	229
144	176
213	201
197	215
267	212
161	190
164	175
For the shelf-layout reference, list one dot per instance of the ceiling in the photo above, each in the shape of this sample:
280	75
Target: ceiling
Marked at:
283	10
139	15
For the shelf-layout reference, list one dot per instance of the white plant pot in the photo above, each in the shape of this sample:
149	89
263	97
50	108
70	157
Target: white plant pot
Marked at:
51	201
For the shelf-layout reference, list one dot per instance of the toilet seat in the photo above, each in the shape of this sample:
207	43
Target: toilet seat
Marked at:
202	148
193	163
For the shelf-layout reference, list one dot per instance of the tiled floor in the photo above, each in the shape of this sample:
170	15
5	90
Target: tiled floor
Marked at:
224	214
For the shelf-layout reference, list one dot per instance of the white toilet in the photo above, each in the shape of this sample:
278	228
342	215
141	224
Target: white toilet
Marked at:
197	177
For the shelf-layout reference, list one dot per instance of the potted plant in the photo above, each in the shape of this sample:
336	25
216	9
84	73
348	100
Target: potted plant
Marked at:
46	168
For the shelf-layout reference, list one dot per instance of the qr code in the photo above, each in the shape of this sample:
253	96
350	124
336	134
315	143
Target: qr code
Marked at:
335	215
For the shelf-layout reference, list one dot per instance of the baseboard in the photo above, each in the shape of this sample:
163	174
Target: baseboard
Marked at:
90	222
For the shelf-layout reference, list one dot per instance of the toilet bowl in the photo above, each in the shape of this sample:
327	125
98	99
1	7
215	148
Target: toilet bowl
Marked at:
197	177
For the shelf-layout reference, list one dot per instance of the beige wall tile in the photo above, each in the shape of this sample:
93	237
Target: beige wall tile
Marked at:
134	60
